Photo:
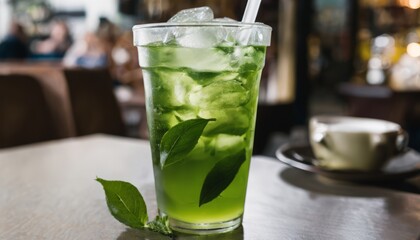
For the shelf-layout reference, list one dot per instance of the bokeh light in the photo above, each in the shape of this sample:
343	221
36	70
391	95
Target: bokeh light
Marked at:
413	49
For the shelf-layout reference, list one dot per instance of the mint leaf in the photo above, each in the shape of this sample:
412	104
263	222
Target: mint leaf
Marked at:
220	176
125	203
160	225
178	141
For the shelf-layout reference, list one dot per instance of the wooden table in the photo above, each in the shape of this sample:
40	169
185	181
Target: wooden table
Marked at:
47	191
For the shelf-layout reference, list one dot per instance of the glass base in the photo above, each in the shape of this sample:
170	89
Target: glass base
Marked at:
205	228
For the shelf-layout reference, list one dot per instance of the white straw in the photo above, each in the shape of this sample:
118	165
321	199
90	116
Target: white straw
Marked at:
251	11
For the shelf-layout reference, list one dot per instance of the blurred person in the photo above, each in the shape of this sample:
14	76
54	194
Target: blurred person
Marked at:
56	45
87	53
15	44
125	59
108	32
94	50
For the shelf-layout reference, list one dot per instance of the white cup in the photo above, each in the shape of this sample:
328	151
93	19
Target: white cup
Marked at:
349	143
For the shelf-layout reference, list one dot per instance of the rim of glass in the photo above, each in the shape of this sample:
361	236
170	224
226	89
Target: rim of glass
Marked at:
200	24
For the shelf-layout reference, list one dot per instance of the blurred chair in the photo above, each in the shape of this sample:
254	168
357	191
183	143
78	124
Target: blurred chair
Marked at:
378	102
94	106
24	114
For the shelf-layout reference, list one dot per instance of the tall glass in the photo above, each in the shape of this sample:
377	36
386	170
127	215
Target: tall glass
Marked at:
201	86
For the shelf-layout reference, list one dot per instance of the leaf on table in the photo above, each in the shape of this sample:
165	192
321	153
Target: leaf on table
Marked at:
125	203
220	176
178	141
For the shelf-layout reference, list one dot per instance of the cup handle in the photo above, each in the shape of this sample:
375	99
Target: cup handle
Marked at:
401	141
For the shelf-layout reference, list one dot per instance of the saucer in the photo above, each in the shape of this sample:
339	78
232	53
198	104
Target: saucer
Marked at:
404	166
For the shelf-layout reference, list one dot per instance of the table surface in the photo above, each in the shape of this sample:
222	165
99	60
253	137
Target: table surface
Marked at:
47	191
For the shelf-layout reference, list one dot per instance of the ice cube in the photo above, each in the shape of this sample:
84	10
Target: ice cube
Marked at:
232	121
169	37
226	37
201	14
252	36
224	19
170	87
185	113
221	94
198	38
226	144
164	119
206	78
203	60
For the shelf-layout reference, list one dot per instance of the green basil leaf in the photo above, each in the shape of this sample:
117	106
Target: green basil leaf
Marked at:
178	141
220	176
125	203
160	225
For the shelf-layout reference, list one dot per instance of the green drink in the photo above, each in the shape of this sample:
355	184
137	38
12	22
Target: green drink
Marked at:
201	102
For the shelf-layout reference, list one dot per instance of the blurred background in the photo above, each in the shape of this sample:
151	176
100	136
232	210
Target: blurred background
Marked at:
68	68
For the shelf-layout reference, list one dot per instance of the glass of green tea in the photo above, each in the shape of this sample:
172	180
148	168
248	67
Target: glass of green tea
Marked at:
201	82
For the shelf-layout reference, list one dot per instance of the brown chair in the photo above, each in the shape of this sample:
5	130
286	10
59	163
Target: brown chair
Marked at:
378	102
24	114
94	106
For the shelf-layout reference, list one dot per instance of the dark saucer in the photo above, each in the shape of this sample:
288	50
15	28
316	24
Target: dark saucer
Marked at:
404	166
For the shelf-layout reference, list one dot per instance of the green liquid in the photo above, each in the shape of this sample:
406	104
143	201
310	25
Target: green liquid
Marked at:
189	83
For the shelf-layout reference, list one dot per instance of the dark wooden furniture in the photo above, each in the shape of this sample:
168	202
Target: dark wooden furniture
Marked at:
94	106
51	78
375	102
24	113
